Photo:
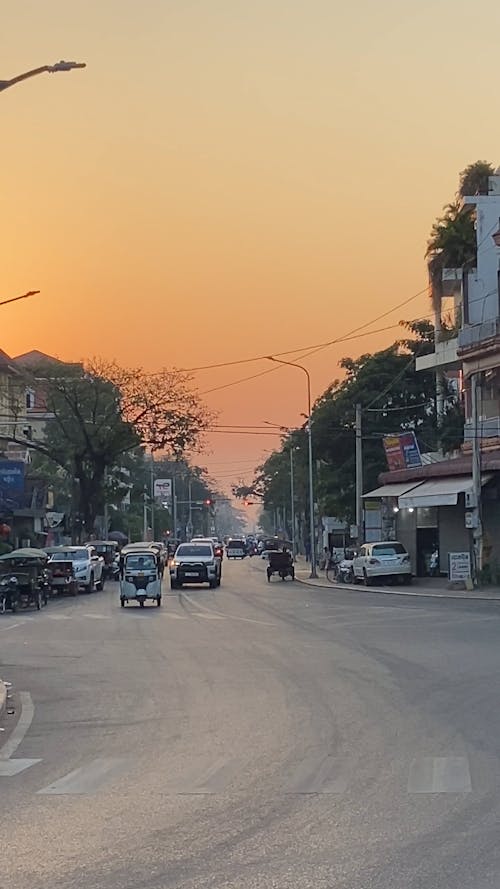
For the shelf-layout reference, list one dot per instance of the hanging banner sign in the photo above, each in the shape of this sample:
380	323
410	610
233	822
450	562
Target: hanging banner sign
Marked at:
402	451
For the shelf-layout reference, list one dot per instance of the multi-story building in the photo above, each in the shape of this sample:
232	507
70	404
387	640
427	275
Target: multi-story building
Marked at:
454	502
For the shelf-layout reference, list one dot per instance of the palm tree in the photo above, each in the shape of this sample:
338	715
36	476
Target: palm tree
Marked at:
452	242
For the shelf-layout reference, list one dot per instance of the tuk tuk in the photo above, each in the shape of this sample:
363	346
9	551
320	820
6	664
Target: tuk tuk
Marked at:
110	551
140	575
23	579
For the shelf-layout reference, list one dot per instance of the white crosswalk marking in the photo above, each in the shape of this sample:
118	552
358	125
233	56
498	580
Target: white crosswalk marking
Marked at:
88	778
11	767
172	616
58	616
440	774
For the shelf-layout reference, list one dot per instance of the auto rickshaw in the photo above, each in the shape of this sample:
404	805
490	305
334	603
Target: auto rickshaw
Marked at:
110	551
24	579
140	575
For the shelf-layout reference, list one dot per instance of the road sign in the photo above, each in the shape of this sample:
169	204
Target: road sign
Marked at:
162	488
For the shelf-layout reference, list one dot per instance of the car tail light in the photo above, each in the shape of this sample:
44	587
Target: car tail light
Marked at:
373	562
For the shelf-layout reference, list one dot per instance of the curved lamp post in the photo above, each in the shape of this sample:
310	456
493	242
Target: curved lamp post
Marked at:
45	69
312	534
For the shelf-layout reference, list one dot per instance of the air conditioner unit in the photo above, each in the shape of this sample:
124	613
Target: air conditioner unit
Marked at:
470	500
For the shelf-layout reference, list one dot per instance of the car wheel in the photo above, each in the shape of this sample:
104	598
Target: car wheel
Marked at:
366	580
212	583
408	580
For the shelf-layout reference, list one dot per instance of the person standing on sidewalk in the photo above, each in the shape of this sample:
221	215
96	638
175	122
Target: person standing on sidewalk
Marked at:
434	563
307	547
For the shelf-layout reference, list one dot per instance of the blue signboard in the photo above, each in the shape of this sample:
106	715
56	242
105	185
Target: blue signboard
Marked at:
12	477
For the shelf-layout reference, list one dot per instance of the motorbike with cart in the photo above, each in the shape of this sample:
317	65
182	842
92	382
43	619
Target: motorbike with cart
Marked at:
141	571
23	579
281	563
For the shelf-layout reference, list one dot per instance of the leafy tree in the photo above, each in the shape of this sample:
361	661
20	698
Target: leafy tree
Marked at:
101	412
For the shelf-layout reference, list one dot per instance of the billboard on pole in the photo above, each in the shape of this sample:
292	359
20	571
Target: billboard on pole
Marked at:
162	489
402	451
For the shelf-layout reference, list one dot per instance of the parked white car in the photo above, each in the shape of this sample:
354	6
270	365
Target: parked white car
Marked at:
88	566
386	558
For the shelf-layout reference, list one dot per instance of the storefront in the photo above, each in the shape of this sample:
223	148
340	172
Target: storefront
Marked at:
425	515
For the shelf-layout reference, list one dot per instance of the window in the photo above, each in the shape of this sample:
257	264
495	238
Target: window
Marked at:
194	550
388	549
30	399
140	563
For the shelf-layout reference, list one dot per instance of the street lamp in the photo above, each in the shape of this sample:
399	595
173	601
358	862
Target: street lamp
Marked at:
45	69
14	299
309	441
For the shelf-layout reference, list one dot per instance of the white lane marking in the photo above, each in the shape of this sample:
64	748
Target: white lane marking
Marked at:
11	767
248	620
213	779
440	774
10	626
88	778
206	616
98	616
58	616
318	775
174	616
23	724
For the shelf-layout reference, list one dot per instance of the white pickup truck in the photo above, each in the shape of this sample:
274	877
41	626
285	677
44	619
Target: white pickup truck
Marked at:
88	566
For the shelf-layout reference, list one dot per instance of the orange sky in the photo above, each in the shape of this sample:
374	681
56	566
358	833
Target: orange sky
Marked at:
228	179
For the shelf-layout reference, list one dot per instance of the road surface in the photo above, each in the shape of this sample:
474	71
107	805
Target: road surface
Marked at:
259	736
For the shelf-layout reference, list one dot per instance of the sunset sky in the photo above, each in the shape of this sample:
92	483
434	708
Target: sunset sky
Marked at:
229	179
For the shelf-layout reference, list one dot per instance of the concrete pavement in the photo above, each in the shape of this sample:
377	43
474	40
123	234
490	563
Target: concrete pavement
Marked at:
258	736
435	588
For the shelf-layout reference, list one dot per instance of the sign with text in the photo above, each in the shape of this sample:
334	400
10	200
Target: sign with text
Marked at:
162	489
402	451
12	477
459	566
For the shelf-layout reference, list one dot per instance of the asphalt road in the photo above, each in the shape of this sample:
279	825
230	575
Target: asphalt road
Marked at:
260	736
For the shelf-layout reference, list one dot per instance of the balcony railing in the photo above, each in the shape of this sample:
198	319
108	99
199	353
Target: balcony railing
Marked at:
487	428
475	334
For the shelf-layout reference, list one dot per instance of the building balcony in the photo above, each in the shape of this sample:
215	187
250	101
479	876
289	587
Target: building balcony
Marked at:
488	432
444	356
475	336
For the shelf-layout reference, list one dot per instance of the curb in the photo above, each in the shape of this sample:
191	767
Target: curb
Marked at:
388	592
3	698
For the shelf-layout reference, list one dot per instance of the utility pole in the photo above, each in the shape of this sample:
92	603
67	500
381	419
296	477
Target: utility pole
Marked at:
152	496
174	506
292	499
145	514
359	476
189	529
477	532
106	508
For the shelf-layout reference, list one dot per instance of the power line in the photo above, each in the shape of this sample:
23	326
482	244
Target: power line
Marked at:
306	348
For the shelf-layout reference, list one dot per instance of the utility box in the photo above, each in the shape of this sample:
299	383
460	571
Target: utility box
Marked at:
471	520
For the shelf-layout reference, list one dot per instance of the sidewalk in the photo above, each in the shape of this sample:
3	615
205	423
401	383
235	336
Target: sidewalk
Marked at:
3	698
427	587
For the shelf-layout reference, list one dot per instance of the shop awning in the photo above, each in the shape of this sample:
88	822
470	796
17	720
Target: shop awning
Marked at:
438	492
395	490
